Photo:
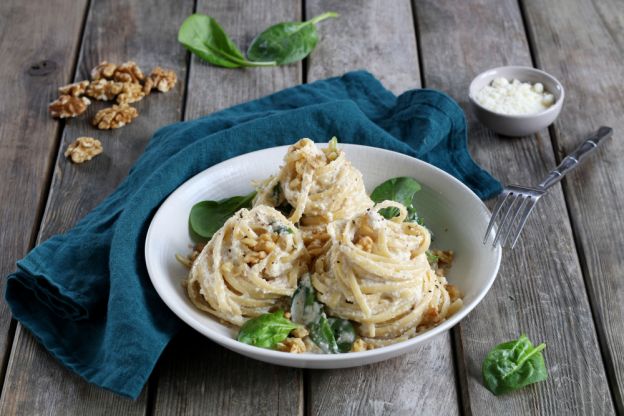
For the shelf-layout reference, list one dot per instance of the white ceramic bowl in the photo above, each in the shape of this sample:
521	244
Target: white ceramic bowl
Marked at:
517	125
453	212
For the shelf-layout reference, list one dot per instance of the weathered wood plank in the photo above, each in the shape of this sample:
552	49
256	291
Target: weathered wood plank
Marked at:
540	289
379	37
28	137
115	31
197	376
582	44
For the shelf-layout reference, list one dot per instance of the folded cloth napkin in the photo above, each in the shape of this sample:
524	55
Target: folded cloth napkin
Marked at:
86	295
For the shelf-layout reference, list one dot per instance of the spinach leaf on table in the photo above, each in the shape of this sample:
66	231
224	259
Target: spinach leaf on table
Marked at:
280	44
286	42
513	365
267	330
207	217
401	190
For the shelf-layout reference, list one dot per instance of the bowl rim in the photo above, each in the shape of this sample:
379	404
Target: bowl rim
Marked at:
556	107
311	359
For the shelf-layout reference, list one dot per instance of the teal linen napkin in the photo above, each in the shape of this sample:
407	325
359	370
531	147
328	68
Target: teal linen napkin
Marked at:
86	295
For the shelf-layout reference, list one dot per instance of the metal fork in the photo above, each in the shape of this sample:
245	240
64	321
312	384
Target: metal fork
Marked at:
515	203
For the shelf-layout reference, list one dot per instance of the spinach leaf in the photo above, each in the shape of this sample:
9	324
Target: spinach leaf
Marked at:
324	332
286	42
344	333
304	308
207	217
267	330
203	36
402	190
513	365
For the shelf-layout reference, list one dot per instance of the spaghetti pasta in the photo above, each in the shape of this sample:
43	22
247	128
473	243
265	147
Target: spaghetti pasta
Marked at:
376	273
249	266
321	186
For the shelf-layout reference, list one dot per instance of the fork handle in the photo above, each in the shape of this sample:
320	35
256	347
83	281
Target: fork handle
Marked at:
575	158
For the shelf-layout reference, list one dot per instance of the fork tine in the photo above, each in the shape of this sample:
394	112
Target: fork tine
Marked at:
503	224
524	219
523	198
497	209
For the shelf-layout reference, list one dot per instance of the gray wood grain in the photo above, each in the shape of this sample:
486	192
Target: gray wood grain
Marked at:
539	290
589	61
115	31
196	376
372	35
28	136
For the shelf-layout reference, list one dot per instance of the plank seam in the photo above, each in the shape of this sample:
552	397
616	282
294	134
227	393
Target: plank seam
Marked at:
607	360
421	67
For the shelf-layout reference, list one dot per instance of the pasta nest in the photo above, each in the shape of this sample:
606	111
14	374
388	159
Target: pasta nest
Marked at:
321	186
376	273
249	266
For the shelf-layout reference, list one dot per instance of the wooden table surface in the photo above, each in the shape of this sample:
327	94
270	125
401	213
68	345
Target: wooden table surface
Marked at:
562	285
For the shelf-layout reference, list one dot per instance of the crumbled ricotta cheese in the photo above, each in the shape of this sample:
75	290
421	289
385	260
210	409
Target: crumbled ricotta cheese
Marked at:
515	97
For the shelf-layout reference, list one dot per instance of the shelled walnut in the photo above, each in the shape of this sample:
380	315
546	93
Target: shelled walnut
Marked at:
104	90
68	106
161	79
75	89
104	70
128	72
115	117
83	149
130	93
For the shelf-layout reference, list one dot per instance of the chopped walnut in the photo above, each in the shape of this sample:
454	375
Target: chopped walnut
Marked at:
265	243
104	70
104	90
115	117
453	292
128	72
445	258
299	332
67	106
75	89
83	149
131	93
293	345
361	345
365	243
161	79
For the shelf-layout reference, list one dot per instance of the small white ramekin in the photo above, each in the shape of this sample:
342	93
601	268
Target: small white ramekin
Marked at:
517	125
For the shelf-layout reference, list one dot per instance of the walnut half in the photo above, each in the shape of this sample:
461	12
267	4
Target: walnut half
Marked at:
115	117
130	93
128	72
68	106
104	90
104	70
75	89
161	79
83	149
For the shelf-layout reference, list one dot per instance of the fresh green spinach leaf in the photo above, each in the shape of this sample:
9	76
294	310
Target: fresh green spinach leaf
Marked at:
322	334
207	217
203	36
401	190
267	330
332	335
286	42
513	365
344	333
